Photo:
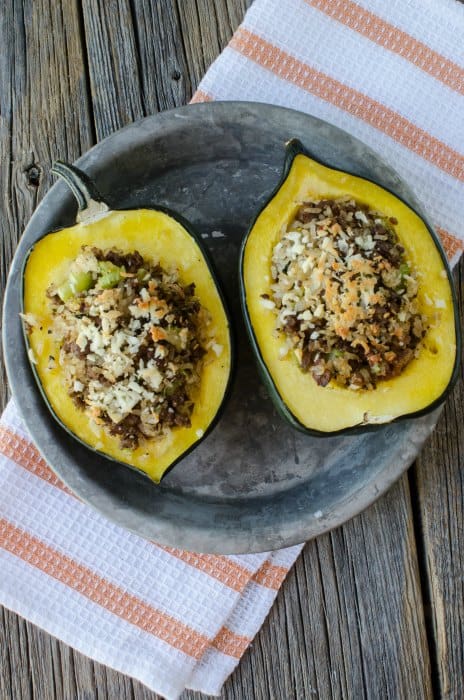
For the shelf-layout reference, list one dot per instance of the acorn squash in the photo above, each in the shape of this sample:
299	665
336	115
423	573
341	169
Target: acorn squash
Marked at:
333	408
163	238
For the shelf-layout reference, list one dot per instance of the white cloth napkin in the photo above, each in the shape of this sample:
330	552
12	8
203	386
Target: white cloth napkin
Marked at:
393	75
167	617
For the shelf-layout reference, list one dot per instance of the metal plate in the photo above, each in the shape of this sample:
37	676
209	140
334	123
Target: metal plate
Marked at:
254	484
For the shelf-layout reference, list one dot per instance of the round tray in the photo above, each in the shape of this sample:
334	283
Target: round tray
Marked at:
254	484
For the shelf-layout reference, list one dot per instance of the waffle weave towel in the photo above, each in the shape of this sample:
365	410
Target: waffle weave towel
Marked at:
393	75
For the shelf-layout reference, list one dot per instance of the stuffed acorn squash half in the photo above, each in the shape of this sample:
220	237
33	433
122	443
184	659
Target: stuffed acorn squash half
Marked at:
348	301
127	331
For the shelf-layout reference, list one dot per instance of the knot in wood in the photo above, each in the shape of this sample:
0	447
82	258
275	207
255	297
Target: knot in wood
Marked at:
33	173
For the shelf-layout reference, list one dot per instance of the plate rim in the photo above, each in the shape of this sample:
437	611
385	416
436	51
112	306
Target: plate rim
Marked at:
364	497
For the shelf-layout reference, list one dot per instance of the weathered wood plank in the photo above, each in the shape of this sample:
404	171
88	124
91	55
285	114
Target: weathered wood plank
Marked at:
116	87
43	114
439	478
348	622
144	57
206	30
43	107
165	71
15	668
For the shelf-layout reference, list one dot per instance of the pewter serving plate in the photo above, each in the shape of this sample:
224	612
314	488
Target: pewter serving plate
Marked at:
254	483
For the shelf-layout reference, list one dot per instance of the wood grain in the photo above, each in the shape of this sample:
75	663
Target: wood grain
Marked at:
342	626
349	621
439	481
206	30
43	114
112	65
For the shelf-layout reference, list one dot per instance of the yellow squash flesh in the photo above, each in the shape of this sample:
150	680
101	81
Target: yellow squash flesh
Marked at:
334	408
161	239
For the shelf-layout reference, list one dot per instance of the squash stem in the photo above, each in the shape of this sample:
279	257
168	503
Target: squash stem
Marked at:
89	201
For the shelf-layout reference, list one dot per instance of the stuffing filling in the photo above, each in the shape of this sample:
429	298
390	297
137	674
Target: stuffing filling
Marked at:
132	342
345	295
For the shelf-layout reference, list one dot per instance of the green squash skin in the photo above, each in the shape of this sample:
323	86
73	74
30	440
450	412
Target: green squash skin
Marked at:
231	336
293	148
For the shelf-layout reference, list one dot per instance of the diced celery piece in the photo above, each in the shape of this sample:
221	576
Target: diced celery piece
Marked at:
109	274
141	274
65	292
109	280
80	281
404	269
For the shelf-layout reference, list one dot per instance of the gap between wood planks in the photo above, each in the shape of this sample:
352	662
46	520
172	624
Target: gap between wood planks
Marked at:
423	578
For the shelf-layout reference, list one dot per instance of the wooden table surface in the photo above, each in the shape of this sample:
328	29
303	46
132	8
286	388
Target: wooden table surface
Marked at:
374	609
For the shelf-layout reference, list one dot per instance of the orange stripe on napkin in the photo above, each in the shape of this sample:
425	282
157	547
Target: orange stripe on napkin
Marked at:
227	572
24	453
111	597
230	643
394	39
451	244
200	96
231	574
102	592
352	101
270	575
